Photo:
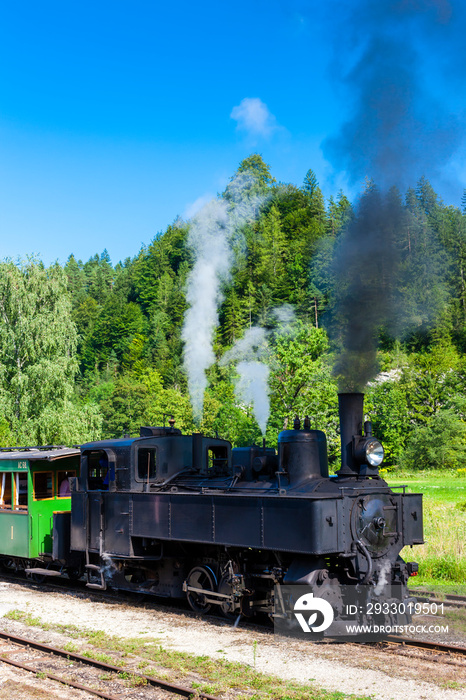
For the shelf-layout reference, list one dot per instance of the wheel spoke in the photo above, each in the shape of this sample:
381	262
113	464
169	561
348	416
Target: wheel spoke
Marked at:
200	577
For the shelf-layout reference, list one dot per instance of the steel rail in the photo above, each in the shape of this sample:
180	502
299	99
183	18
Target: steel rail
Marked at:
59	679
447	603
449	600
422	644
151	680
432	594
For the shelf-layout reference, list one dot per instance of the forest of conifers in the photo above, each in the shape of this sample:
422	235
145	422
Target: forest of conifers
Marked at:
91	350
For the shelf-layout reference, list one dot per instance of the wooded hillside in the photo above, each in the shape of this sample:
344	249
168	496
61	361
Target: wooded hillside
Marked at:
95	350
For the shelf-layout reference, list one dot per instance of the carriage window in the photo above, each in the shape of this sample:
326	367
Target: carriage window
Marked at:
146	463
217	458
63	481
5	493
43	485
99	472
21	490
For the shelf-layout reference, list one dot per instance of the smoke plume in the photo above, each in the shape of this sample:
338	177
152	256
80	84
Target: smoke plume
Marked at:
285	318
251	384
252	346
365	265
250	353
252	388
213	234
398	130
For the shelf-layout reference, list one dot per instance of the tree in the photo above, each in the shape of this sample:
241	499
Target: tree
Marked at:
271	264
431	380
387	404
339	213
314	194
37	353
260	177
439	444
301	383
114	330
76	279
100	276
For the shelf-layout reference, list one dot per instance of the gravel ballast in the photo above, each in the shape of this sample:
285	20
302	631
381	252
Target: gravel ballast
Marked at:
348	668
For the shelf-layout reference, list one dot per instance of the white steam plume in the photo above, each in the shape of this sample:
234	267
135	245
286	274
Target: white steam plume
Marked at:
286	318
251	385
212	234
252	388
252	346
384	578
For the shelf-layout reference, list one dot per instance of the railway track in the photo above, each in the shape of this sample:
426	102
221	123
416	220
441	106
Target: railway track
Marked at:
448	600
427	646
44	655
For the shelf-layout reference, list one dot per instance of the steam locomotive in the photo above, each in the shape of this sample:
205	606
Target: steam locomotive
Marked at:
187	516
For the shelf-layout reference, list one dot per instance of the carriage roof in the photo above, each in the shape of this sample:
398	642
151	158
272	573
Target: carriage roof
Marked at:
49	453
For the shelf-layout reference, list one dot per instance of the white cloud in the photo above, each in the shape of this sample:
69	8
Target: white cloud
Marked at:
253	116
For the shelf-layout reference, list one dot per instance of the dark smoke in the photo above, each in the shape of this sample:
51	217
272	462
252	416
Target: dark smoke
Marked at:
398	129
366	266
389	55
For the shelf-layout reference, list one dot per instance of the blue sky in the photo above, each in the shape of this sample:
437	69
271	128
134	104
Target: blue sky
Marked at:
117	117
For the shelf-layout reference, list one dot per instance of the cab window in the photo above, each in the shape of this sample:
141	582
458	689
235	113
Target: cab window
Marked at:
217	458
147	463
5	491
99	473
43	485
63	483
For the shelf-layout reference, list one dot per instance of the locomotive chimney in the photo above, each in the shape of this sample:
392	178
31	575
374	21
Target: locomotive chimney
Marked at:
350	407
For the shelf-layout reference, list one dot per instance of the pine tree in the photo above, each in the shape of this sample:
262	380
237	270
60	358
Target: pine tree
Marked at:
271	264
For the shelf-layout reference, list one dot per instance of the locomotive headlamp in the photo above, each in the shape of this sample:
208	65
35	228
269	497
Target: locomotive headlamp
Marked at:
368	450
374	453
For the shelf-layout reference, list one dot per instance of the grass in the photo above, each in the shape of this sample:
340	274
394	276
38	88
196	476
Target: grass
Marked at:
98	656
456	618
132	679
210	675
442	559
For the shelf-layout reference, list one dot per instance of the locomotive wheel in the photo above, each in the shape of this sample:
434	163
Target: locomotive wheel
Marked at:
200	577
74	573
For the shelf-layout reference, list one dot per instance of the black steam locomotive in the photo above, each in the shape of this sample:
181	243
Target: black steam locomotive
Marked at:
187	516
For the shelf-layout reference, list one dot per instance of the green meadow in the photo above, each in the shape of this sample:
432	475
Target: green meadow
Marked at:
442	558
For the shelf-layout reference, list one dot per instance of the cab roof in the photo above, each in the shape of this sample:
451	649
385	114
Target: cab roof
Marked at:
102	444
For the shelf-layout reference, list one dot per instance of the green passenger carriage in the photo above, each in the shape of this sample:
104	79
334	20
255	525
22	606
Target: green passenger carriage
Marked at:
34	489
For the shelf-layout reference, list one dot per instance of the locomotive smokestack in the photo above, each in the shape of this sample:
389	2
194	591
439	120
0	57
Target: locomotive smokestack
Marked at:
350	407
